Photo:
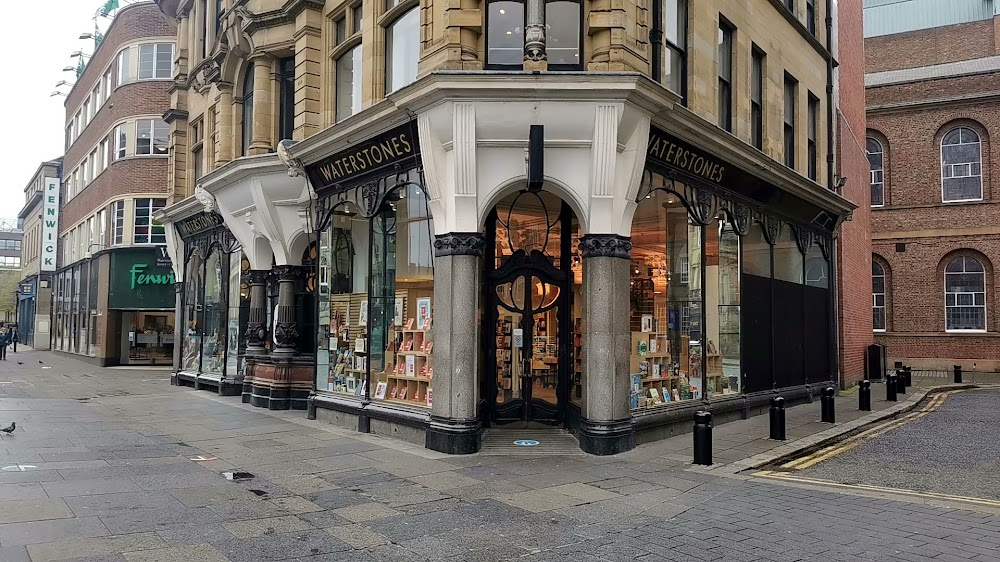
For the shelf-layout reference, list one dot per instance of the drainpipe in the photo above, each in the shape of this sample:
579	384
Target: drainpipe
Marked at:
836	320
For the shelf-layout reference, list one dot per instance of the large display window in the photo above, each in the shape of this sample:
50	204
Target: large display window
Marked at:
215	301
375	281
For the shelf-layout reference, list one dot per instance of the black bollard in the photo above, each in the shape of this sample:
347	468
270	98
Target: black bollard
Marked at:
900	382
778	418
908	375
826	405
865	396
703	438
958	374
890	386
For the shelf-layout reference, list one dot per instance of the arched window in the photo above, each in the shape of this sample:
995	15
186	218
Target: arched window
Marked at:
505	22
876	163
878	297
965	295
247	109
961	166
402	50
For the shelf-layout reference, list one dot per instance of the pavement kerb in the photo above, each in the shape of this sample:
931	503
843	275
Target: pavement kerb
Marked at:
822	439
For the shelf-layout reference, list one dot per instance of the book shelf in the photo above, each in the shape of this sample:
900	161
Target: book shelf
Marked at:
409	368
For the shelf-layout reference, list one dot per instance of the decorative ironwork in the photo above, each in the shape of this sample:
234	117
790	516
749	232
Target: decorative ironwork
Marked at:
367	198
460	244
803	238
772	228
825	244
217	238
605	246
286	334
740	217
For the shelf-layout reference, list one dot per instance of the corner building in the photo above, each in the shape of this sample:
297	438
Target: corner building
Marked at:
932	118
113	289
409	262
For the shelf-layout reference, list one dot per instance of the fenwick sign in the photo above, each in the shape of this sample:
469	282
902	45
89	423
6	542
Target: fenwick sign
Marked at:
50	223
139	276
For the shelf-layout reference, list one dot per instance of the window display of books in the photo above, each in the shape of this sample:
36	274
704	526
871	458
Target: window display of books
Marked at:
347	374
409	365
657	379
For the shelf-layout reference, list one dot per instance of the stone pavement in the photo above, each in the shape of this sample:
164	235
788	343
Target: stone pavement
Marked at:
116	465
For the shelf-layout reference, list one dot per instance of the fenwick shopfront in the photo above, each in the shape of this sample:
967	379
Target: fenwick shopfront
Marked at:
134	324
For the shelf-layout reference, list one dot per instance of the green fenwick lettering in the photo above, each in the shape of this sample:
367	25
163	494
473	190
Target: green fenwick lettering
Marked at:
140	278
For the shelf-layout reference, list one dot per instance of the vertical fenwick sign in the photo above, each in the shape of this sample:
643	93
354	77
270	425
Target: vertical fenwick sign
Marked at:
50	223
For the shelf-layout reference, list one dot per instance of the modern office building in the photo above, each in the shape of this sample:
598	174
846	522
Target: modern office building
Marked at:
932	115
114	293
429	219
39	250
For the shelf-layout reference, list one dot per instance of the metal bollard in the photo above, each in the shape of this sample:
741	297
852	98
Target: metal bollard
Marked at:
865	396
890	387
908	375
958	374
703	438
900	382
778	418
826	405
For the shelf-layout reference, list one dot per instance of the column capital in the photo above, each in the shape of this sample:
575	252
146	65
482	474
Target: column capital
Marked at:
257	276
287	272
605	246
459	244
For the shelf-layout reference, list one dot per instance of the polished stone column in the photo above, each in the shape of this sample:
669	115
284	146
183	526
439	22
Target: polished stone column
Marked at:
257	322
606	427
458	263
286	332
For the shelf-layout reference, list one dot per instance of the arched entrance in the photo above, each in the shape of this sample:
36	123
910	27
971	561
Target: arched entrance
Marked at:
532	318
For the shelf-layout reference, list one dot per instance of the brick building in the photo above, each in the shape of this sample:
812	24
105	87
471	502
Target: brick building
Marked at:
344	172
932	116
113	290
39	220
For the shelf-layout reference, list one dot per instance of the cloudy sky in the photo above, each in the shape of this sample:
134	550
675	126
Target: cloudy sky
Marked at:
40	38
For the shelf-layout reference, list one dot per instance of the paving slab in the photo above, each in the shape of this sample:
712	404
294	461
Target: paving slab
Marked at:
268	526
35	532
188	553
19	511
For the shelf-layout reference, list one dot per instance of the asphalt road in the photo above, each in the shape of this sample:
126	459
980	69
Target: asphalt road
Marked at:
954	450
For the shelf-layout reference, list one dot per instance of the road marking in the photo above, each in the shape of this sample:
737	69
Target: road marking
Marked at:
831	451
18	467
791	477
204	458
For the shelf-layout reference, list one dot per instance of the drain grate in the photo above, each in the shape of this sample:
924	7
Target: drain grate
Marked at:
530	442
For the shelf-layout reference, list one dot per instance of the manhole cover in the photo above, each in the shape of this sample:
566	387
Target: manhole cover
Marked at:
526	442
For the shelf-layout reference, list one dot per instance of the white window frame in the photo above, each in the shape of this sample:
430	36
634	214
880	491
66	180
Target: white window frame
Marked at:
124	66
979	142
872	171
106	80
141	124
156	48
118	222
120	133
875	305
986	320
151	223
102	154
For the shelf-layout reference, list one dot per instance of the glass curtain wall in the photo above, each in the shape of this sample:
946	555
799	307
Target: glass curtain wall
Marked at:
375	283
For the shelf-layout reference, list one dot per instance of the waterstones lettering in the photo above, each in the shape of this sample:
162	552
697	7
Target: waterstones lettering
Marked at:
366	158
199	223
676	154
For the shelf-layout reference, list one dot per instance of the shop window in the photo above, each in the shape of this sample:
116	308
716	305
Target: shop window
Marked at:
194	283
789	263
668	345
878	297
247	131
875	164
722	309
725	69
402	50
155	61
757	97
375	283
965	295
239	301
214	313
117	223
817	268
145	228
961	166
348	87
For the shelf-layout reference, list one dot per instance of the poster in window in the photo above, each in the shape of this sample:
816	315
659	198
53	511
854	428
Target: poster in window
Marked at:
363	314
398	316
424	313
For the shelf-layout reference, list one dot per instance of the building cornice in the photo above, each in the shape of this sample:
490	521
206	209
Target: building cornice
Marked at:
183	209
945	101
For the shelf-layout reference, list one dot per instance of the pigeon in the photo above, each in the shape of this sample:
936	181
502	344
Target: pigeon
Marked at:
10	429
20	363
39	362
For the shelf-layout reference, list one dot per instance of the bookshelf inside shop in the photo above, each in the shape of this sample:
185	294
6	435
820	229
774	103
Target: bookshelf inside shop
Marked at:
544	357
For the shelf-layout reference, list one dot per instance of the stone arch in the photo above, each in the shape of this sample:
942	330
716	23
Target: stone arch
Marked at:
985	148
553	186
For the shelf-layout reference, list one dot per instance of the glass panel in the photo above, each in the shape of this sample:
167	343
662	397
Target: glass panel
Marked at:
349	83
665	303
509	358
505	35
529	222
562	22
193	292
722	313
756	253
233	319
543	295
214	333
545	354
402	51
788	260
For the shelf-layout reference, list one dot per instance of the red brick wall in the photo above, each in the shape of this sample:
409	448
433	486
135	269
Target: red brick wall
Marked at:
854	241
144	174
925	47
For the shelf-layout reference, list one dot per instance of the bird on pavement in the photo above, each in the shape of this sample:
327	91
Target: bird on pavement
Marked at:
39	362
20	363
10	429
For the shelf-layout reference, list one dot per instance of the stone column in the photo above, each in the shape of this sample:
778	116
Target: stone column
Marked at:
606	427
263	105
286	332
257	323
225	139
458	263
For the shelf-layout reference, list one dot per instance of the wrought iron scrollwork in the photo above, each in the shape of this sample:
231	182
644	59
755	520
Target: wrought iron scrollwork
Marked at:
803	237
217	238
741	217
772	228
605	246
825	244
366	199
460	244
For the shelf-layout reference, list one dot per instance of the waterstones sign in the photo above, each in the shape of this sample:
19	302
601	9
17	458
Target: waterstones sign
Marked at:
141	279
367	158
666	150
202	222
50	223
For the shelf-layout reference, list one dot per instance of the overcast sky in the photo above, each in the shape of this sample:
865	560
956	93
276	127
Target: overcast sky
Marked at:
38	41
